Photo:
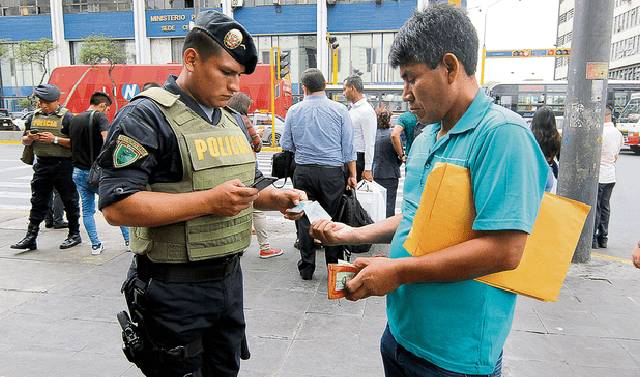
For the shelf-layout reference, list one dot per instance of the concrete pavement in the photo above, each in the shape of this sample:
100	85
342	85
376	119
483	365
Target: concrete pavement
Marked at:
57	316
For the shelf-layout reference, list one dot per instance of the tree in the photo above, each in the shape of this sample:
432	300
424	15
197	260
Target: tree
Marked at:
3	48
30	52
98	49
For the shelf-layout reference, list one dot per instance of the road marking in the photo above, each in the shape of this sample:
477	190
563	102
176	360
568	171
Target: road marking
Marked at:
10	142
15	195
14	208
612	258
24	178
12	168
24	185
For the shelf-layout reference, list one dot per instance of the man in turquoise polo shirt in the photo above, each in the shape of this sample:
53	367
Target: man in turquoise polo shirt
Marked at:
441	322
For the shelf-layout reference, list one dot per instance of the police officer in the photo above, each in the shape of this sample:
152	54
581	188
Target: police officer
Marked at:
47	131
178	170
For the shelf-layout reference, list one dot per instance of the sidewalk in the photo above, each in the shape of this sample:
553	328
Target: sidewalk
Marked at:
57	315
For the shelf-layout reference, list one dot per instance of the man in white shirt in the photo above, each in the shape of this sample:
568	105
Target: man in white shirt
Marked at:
365	123
612	142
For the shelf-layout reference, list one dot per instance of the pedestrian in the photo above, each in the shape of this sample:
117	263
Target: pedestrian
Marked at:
47	129
87	133
408	127
363	120
319	133
441	322
612	142
635	258
386	164
543	127
177	170
55	215
241	103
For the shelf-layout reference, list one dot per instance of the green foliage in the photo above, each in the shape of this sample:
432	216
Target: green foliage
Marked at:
25	103
4	49
97	49
35	52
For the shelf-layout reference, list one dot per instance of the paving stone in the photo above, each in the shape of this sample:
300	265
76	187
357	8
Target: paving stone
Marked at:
267	356
592	352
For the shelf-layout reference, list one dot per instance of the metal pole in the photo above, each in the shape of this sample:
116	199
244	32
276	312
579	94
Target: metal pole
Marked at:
196	8
484	46
584	111
272	71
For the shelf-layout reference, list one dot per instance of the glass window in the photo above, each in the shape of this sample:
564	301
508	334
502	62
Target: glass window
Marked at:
182	4
362	55
176	49
24	7
344	57
81	6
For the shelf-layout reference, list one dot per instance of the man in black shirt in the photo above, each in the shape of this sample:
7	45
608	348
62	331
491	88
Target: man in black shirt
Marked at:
87	132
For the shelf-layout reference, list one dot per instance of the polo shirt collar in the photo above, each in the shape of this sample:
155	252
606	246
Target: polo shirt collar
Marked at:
314	97
474	114
359	102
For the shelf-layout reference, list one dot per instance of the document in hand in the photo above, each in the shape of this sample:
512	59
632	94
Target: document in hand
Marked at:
445	216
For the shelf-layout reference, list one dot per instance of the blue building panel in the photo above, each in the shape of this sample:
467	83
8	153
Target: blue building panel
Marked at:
286	19
118	25
21	28
17	91
369	16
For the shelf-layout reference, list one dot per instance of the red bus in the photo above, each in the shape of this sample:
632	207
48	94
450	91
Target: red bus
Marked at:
129	79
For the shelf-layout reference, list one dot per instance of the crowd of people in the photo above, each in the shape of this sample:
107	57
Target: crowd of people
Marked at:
177	173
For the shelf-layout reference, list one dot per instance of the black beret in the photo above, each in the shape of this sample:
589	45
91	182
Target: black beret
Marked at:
47	92
231	36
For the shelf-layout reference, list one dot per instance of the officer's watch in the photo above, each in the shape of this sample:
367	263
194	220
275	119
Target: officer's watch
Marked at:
55	140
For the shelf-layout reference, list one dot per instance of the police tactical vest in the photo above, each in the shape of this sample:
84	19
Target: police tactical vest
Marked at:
50	123
210	155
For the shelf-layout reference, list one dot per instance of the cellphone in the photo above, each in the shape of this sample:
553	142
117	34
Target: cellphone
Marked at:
33	131
263	182
297	209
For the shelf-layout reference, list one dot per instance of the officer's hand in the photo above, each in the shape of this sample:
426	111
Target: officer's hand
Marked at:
330	233
368	175
231	197
377	277
45	137
289	199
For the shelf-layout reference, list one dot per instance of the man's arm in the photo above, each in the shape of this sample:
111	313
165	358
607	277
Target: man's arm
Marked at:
397	141
27	138
348	151
286	140
369	127
331	233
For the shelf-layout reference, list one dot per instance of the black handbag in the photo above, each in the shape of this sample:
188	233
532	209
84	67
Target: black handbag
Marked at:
93	180
352	214
283	165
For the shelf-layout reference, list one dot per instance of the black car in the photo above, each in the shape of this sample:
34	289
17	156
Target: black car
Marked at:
6	123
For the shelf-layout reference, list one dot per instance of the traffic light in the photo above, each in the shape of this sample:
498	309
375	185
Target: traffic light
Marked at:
284	63
562	51
333	42
521	53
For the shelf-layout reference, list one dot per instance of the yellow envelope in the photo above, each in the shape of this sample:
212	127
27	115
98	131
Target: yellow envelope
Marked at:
445	216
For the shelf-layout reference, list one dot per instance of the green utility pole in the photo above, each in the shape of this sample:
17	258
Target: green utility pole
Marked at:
584	111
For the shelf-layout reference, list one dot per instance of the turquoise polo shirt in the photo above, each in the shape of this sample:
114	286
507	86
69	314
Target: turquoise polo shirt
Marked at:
462	326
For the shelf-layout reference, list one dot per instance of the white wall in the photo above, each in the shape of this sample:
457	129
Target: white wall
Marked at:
160	51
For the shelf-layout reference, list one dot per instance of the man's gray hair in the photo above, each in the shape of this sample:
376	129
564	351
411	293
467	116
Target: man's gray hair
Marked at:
313	79
240	102
355	82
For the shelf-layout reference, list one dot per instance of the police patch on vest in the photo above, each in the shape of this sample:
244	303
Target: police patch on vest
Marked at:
127	151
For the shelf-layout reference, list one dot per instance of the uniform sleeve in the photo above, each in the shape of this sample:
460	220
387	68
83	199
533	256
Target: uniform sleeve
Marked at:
66	122
131	152
103	122
27	123
508	176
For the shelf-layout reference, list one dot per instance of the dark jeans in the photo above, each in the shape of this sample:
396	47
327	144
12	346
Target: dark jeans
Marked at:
391	184
359	166
50	173
603	210
398	362
211	312
325	185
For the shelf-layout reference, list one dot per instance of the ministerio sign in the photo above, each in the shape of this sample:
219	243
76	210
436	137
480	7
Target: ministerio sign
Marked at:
169	23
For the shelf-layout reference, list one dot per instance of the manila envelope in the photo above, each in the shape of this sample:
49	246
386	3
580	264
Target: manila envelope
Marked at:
445	215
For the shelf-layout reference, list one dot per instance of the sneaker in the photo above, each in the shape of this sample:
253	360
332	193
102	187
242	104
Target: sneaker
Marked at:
126	245
97	249
270	253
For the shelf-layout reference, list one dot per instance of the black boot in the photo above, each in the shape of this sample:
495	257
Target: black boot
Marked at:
73	239
29	241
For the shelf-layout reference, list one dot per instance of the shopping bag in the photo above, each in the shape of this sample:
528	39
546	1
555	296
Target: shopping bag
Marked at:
373	198
445	216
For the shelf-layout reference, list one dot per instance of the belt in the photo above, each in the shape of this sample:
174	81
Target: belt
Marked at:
192	272
318	166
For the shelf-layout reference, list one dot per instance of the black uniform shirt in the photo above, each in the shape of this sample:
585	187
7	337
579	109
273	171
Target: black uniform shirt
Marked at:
142	121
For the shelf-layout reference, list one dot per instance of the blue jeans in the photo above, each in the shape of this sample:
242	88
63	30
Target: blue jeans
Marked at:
398	362
88	197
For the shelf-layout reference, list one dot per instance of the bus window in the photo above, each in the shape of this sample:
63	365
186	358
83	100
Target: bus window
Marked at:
631	112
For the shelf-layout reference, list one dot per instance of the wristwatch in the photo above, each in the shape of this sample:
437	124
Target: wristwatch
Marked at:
55	140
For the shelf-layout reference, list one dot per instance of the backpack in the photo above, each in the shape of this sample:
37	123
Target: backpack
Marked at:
352	214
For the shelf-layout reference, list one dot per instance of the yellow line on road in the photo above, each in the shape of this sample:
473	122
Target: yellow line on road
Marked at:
612	258
271	149
10	142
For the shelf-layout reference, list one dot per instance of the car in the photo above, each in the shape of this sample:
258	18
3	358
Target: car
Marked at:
6	121
262	124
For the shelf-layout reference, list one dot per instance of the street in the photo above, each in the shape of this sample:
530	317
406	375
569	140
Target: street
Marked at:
57	308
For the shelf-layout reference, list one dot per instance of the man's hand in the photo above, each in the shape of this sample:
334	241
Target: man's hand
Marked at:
351	182
45	137
636	256
377	277
368	175
229	198
330	233
288	199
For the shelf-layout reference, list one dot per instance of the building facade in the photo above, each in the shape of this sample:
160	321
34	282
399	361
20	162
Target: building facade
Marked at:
625	39
152	32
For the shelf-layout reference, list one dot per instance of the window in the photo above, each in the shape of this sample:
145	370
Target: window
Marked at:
24	7
82	6
182	4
